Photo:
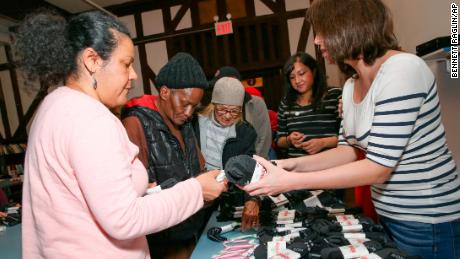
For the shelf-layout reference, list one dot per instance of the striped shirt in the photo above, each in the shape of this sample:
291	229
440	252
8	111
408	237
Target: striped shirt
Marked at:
324	122
398	125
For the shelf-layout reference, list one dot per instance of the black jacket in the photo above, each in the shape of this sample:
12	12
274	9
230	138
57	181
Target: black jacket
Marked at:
242	144
167	160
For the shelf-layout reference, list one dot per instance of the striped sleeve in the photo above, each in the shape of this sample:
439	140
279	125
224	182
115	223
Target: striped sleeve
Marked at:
342	140
332	102
397	104
282	120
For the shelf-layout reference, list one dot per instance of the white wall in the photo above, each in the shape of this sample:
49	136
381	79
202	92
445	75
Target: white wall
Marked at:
418	21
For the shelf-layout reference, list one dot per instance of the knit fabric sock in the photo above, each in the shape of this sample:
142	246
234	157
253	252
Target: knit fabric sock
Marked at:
336	253
243	169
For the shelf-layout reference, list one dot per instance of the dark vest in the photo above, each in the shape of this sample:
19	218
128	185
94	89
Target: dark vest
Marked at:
167	160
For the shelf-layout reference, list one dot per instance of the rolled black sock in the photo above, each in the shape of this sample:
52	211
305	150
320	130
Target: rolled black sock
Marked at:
261	251
240	169
336	253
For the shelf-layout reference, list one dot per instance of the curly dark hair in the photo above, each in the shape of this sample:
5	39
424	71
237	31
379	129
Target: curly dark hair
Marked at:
352	28
319	86
47	45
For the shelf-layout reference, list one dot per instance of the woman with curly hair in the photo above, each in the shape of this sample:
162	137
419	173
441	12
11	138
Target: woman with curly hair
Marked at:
84	186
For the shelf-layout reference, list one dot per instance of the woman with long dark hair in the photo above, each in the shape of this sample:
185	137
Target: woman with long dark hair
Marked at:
308	121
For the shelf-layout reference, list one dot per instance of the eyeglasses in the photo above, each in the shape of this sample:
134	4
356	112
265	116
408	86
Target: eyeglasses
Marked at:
221	111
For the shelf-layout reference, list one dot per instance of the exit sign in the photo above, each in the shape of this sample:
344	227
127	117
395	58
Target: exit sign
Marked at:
223	28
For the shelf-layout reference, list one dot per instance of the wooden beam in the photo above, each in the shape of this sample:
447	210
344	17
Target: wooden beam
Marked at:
142	53
247	36
271	42
21	133
180	14
169	35
237	45
221	9
260	51
150	75
5	66
273	6
304	33
205	52
250	8
140	6
166	13
4	113
194	13
14	83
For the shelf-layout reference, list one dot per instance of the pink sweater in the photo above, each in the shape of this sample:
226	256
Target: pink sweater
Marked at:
83	185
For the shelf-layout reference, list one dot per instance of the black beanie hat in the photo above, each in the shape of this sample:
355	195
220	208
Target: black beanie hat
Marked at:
226	71
181	71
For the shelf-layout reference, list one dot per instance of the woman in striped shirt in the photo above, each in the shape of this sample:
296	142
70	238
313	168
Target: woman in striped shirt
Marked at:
391	111
307	116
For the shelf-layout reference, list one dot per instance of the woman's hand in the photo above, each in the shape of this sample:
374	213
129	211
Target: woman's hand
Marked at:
250	217
277	180
313	146
286	164
296	139
210	187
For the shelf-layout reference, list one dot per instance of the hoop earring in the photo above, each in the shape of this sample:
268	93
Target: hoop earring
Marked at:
94	83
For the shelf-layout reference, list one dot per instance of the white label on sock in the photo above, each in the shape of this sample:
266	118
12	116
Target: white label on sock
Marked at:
286	215
349	222
353	251
221	176
312	202
316	192
291	254
259	173
354	235
239	208
281	229
356	241
294	225
284	222
352	228
153	190
279	200
275	247
281	239
344	217
371	256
